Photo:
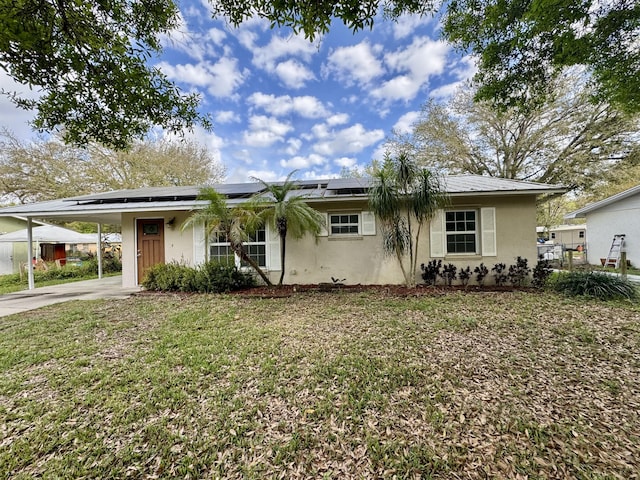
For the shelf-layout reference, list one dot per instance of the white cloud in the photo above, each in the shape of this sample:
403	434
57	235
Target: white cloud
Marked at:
415	64
293	74
293	146
407	24
242	175
306	106
216	35
464	70
266	175
265	131
349	140
300	162
208	140
338	119
226	116
444	92
194	44
355	64
405	122
266	57
221	79
345	162
14	119
466	67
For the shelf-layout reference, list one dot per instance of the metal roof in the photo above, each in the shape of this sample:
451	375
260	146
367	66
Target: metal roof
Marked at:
107	207
582	212
50	234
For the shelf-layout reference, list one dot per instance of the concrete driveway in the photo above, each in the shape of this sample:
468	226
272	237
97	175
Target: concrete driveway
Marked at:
108	287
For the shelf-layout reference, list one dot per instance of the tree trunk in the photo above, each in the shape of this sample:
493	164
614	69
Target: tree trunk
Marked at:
404	272
283	240
281	226
239	250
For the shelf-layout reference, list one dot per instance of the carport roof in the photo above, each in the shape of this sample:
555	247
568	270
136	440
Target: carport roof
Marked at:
107	207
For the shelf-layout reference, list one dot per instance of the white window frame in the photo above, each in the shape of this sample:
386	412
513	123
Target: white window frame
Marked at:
341	213
476	232
237	261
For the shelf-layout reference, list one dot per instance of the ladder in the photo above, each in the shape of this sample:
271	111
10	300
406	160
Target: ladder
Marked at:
613	259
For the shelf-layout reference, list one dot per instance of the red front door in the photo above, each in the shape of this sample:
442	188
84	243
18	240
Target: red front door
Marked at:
150	244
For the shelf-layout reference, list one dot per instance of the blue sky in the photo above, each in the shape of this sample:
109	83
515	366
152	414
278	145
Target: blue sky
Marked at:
279	102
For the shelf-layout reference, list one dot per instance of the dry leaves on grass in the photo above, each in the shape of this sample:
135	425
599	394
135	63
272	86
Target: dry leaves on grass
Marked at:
338	385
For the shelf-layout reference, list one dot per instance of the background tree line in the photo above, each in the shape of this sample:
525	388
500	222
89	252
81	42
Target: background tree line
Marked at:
49	169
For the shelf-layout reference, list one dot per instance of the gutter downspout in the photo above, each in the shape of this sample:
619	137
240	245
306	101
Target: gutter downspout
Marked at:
30	254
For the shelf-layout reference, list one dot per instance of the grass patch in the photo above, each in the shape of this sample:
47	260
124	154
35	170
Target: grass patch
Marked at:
347	385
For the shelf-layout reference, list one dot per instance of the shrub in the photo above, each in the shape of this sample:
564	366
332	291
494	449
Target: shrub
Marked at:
594	285
541	273
218	278
211	277
519	273
500	276
481	272
449	273
166	277
431	271
465	275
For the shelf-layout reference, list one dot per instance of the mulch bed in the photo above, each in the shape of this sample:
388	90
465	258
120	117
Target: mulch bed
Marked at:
391	290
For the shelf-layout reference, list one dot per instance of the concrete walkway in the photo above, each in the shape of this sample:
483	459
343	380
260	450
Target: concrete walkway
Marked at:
108	287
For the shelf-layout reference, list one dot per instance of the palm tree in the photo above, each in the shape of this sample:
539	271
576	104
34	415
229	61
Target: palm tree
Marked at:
404	197
287	212
235	224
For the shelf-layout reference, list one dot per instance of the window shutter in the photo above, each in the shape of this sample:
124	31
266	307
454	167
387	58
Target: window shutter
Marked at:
324	229
273	244
437	235
488	226
199	244
368	223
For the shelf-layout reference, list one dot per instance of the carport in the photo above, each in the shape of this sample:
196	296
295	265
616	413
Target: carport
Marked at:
66	210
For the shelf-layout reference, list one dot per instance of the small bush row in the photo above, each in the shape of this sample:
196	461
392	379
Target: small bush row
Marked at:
517	275
211	277
89	268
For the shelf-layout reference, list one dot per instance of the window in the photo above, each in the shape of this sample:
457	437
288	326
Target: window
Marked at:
344	223
553	235
461	231
255	246
581	234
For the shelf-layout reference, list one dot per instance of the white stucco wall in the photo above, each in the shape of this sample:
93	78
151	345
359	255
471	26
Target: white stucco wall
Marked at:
357	259
361	259
622	217
178	244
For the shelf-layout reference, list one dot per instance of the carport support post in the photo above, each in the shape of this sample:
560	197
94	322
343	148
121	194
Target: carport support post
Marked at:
32	284
99	252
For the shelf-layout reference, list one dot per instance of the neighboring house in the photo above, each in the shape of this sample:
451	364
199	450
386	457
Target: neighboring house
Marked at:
9	251
570	236
11	224
489	220
618	214
50	243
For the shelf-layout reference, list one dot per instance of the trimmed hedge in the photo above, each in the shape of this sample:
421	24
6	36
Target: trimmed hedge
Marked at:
211	277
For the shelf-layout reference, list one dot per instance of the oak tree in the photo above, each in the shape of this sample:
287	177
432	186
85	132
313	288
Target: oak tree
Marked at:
566	140
89	63
49	169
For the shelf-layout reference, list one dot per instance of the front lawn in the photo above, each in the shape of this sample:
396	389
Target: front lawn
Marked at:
322	385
